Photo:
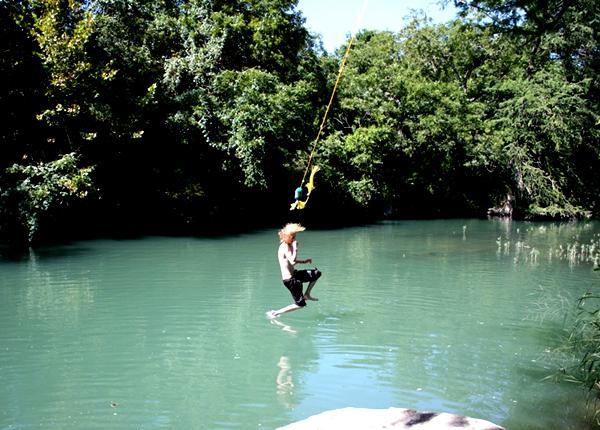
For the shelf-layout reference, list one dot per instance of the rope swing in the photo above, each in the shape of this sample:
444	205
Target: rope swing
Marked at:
310	186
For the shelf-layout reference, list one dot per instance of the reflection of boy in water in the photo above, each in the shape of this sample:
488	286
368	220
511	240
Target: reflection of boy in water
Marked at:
284	377
285	385
287	254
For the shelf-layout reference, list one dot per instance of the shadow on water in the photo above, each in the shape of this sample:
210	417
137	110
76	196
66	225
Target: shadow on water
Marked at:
12	254
68	248
15	255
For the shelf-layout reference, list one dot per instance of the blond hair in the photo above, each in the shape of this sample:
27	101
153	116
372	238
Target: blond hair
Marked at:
290	229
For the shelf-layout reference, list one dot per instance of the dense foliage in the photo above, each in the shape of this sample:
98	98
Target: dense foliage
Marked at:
189	115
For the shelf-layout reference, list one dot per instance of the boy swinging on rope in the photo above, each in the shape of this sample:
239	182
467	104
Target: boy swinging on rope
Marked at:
287	254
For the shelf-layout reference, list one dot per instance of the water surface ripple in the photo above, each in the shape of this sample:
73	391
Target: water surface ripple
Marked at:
170	333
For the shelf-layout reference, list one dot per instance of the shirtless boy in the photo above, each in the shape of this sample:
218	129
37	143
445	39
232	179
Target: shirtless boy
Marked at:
287	254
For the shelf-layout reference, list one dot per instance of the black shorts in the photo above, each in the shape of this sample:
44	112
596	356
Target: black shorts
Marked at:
294	284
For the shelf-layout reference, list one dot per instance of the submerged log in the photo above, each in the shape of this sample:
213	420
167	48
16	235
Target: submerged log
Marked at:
392	418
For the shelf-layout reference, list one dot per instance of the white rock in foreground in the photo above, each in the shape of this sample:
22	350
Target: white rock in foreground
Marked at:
392	418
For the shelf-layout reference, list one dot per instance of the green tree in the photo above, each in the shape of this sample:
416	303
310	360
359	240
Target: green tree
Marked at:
21	83
129	46
244	82
263	34
546	124
36	193
264	122
409	117
361	153
540	131
61	30
464	116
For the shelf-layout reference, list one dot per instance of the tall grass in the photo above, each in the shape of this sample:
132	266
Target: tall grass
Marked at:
583	343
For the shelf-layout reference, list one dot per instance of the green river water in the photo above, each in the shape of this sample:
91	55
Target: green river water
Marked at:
170	333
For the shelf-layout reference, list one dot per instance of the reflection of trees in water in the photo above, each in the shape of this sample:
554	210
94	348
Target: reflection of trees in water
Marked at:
55	295
285	383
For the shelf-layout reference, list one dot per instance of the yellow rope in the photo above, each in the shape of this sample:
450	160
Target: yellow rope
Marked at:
298	204
337	81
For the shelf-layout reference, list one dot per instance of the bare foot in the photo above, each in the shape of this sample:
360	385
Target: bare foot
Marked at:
309	297
272	314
